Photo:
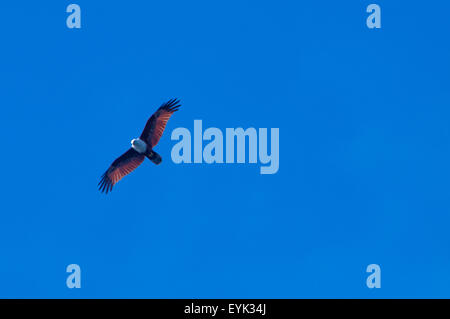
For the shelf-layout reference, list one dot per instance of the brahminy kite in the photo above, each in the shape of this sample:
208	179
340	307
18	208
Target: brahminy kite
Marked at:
141	147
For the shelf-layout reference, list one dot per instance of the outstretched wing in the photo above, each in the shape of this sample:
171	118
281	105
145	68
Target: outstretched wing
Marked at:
157	122
122	166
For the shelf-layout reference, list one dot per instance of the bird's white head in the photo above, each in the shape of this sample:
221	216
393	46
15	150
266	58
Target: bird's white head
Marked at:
138	145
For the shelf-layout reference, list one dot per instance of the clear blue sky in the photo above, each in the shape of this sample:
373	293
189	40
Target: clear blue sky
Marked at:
364	149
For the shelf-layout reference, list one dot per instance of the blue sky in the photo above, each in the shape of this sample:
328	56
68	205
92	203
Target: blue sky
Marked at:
364	149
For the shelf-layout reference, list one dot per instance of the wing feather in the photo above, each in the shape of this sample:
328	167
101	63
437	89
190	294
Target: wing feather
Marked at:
121	167
156	124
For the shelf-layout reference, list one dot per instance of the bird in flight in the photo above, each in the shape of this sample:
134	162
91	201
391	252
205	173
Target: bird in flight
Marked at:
141	147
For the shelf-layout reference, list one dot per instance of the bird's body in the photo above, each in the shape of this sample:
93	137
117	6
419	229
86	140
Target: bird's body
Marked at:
141	147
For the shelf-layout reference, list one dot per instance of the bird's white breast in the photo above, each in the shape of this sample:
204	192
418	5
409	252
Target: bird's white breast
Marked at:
139	145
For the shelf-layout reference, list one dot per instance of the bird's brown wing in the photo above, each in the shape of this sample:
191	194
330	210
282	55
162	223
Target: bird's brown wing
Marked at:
157	122
122	166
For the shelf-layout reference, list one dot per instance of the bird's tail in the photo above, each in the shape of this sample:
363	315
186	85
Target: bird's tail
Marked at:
154	157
